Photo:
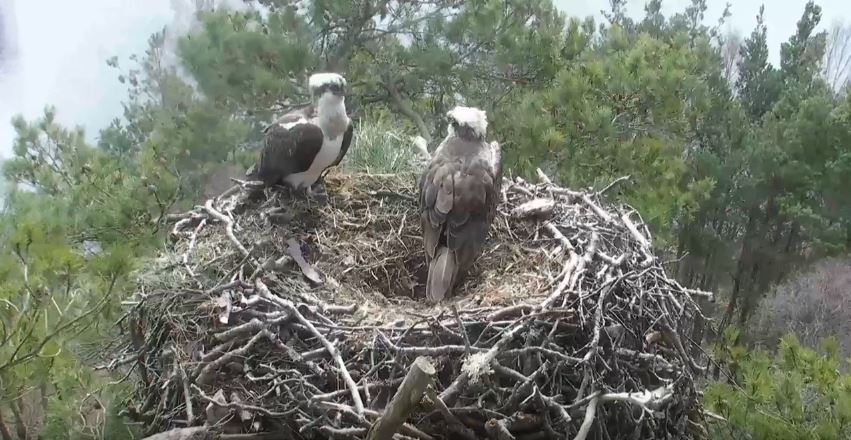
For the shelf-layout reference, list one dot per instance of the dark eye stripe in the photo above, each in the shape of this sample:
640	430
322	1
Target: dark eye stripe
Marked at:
328	87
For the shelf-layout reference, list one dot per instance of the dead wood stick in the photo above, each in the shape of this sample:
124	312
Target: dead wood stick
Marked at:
181	434
342	432
567	270
552	405
460	383
206	373
407	428
614	262
594	345
523	389
340	393
535	208
192	240
228	226
646	400
588	421
554	231
445	411
542	177
238	406
407	397
497	430
642	240
579	270
461	327
187	395
233	189
613	184
332	350
596	208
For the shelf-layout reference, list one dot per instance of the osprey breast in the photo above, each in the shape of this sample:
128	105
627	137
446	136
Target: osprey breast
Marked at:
324	158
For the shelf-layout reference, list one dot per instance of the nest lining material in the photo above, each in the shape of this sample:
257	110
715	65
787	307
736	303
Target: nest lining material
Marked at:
273	313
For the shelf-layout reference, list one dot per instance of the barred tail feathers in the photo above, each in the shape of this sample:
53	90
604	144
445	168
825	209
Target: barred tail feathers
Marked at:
441	274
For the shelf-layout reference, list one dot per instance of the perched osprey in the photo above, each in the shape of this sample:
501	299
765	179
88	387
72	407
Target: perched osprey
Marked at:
459	192
302	144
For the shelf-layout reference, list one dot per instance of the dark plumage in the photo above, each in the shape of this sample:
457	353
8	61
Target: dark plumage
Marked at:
459	192
289	148
301	145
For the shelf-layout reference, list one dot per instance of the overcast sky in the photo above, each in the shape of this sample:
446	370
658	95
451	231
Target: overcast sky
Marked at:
56	50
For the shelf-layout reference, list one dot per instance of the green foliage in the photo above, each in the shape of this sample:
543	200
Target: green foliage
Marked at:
66	256
253	58
625	113
797	394
378	147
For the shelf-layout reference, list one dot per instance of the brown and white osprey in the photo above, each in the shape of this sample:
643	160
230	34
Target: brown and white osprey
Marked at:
459	192
302	144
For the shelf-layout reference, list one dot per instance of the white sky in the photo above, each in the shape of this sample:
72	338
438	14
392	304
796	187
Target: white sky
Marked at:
62	47
781	16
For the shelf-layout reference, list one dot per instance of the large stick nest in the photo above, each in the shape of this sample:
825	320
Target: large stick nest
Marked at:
273	313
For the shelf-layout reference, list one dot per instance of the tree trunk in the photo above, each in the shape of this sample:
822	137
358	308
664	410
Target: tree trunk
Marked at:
5	434
745	262
20	423
406	109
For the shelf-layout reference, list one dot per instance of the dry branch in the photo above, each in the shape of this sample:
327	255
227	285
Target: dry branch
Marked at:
408	395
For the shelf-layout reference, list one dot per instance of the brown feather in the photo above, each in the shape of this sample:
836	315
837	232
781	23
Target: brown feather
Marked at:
458	195
441	274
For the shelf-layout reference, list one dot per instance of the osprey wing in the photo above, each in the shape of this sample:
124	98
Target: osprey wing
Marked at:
290	148
347	140
292	117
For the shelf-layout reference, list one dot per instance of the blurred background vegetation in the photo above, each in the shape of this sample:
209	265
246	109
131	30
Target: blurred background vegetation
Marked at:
738	165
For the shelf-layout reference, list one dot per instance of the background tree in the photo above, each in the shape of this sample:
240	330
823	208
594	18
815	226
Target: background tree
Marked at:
837	63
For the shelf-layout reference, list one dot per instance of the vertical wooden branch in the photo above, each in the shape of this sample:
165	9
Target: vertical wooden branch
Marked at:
419	377
5	434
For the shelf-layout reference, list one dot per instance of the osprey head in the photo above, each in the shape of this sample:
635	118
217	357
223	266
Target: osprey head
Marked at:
330	84
468	123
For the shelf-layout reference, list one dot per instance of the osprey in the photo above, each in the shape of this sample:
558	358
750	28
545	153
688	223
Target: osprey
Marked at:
459	192
302	144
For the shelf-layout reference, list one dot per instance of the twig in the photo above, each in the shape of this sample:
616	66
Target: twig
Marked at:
335	354
612	185
607	218
187	396
443	409
460	383
542	177
238	406
588	421
228	226
497	430
407	428
191	246
553	230
461	328
594	345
